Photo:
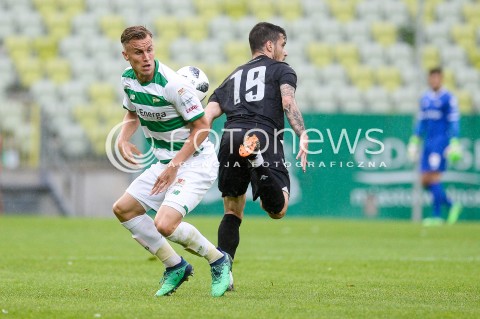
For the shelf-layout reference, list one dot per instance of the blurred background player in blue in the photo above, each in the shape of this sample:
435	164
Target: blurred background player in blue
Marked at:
438	126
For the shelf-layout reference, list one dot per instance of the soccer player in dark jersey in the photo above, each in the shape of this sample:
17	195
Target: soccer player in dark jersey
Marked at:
255	97
438	125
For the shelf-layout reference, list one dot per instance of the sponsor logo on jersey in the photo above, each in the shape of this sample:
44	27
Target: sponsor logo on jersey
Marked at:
181	181
187	101
192	108
151	115
155	99
132	97
181	92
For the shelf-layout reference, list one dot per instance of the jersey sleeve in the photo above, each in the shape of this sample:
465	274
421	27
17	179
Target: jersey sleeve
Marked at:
287	75
183	97
419	129
127	104
453	116
214	97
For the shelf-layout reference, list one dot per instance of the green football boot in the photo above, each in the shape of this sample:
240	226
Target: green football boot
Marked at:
454	213
220	275
432	221
173	277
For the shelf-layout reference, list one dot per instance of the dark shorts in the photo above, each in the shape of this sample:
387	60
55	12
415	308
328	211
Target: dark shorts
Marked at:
235	171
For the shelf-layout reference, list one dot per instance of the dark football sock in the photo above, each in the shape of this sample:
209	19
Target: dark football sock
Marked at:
229	234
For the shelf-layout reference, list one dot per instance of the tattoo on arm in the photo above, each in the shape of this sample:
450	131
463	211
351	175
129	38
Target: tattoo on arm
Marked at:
292	112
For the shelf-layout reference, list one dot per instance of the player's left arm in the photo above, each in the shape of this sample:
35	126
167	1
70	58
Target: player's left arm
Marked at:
199	131
190	107
454	149
295	118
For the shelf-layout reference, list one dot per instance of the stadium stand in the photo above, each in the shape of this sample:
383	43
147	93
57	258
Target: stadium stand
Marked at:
351	56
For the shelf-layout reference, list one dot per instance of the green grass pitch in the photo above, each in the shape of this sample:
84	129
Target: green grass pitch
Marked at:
292	268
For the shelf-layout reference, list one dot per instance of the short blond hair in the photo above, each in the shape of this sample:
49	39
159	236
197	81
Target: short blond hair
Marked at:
136	32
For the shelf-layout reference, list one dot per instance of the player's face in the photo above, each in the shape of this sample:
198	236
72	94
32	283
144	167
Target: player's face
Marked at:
279	51
435	81
141	56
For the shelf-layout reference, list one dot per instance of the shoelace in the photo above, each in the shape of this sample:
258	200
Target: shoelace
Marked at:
164	278
217	272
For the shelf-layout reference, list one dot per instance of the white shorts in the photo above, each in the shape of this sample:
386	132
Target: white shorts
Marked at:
194	179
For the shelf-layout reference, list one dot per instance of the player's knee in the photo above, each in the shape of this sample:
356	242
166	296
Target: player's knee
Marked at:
164	228
281	213
118	209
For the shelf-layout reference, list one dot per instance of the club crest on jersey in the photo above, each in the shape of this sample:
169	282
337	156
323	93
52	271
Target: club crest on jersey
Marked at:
181	91
155	99
180	182
132	97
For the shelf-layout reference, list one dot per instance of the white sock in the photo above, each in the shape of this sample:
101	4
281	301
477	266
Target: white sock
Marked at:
146	234
193	241
257	161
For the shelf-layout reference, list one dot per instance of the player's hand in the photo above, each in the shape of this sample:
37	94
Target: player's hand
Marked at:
454	151
302	154
128	152
412	148
165	179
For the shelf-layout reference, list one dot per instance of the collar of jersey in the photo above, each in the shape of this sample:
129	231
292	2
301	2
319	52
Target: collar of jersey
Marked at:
438	94
154	75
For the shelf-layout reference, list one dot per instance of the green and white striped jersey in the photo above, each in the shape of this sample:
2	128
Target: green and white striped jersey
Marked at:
165	106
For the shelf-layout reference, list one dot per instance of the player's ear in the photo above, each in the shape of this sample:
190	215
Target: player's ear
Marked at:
269	46
125	55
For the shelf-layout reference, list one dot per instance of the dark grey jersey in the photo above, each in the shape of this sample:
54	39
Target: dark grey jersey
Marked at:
250	96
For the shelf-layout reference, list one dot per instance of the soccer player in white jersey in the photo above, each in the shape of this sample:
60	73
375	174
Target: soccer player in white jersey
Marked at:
172	119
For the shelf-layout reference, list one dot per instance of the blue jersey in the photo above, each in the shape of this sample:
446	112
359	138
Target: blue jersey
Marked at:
438	118
437	123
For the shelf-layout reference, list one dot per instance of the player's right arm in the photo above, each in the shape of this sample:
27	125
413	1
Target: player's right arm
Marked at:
212	111
130	125
418	131
295	118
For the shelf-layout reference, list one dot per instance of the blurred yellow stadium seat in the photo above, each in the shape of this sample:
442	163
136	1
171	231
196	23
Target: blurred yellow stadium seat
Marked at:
430	57
29	71
346	54
449	79
71	7
428	10
465	103
361	76
195	29
343	11
208	9
18	43
237	52
463	34
84	113
46	47
58	70
58	24
474	57
219	72
112	26
384	33
262	10
290	10
320	54
388	77
167	28
235	8
471	13
101	92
